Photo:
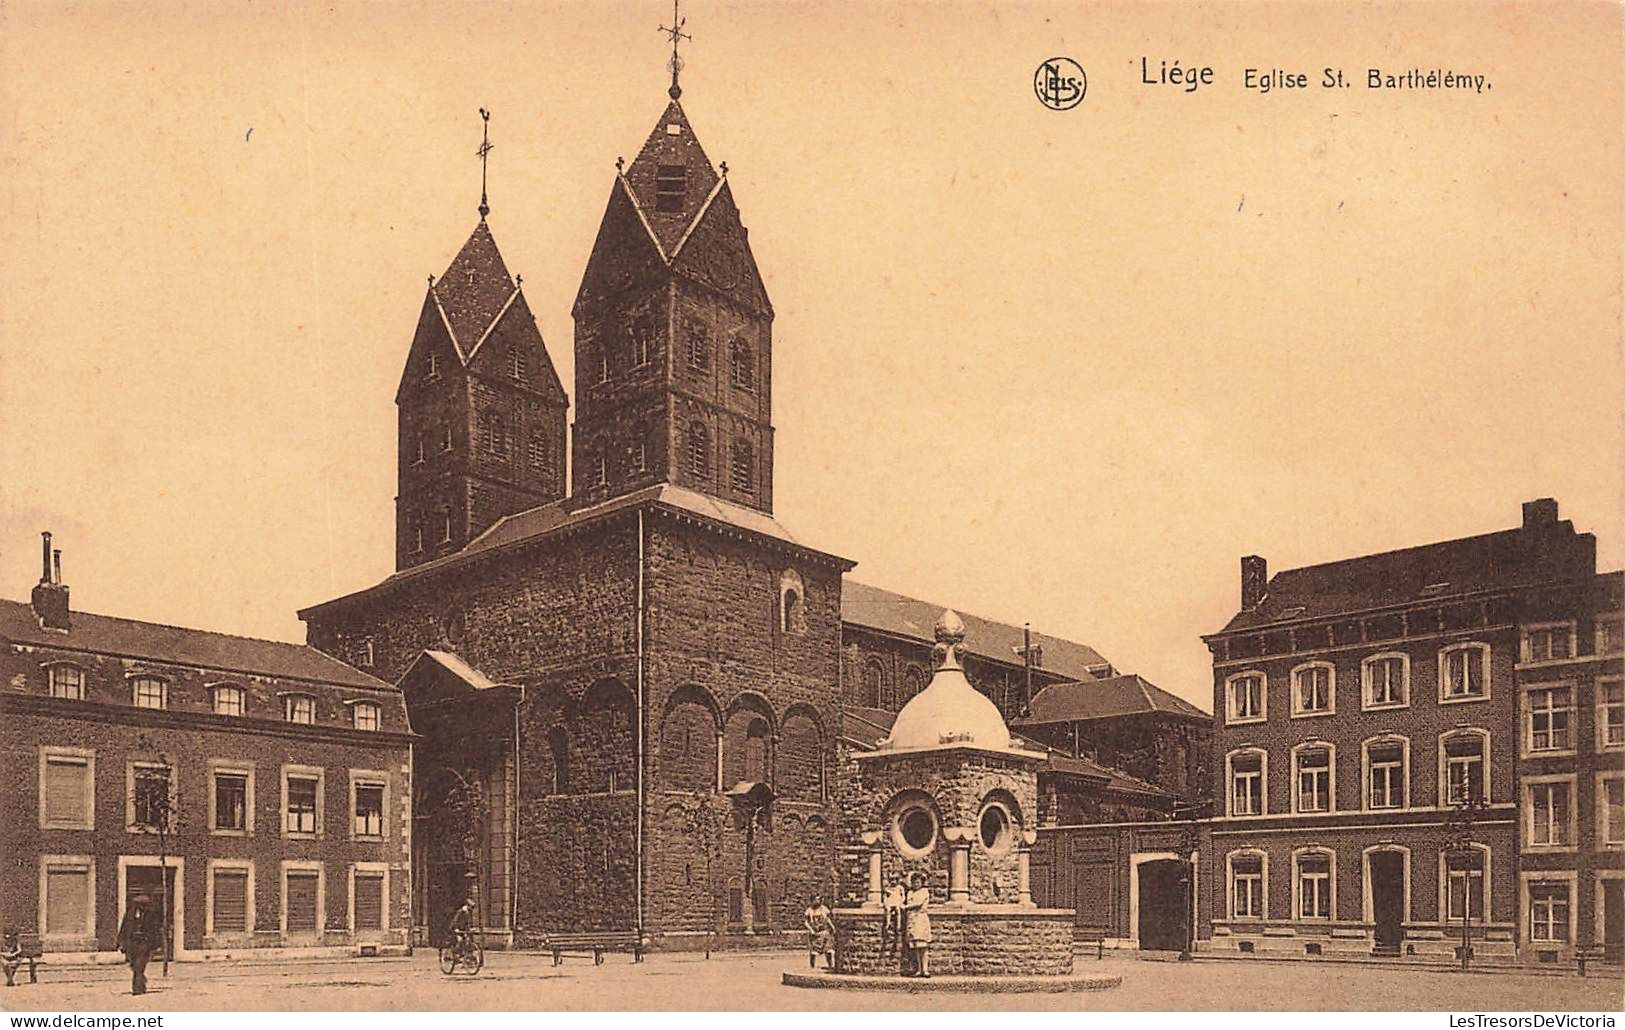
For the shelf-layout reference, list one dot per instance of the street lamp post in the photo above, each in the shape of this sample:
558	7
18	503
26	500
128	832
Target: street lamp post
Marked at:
1189	841
1464	815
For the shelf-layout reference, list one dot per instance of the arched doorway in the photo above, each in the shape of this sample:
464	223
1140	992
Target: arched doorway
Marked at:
1162	904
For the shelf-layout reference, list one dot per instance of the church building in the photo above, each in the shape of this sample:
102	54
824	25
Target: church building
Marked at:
631	694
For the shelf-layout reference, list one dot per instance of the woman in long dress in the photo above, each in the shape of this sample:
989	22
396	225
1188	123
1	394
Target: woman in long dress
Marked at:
916	908
820	934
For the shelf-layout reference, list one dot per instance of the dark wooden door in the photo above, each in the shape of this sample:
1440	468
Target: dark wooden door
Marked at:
1613	919
1163	906
1388	897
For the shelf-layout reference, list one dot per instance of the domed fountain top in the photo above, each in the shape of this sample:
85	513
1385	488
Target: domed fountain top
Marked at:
949	712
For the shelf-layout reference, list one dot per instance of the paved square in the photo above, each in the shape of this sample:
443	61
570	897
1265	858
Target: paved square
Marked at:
689	982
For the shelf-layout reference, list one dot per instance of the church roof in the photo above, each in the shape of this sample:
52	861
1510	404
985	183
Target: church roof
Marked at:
475	289
904	616
1106	699
129	638
558	516
670	204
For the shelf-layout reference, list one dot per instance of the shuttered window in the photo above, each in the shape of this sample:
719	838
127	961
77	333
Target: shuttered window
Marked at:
369	901
301	902
230	900
67	900
67	791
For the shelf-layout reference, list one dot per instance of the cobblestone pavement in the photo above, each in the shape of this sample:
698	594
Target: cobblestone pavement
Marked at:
685	982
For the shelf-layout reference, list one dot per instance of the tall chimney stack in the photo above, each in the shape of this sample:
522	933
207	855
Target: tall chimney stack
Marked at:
50	596
1539	513
1255	580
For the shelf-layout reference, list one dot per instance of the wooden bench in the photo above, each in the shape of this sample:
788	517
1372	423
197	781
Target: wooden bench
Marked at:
31	952
1095	937
594	943
1589	953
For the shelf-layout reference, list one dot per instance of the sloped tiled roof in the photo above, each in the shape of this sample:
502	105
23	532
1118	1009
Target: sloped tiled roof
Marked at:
104	634
459	668
475	288
1105	699
1510	558
556	516
904	616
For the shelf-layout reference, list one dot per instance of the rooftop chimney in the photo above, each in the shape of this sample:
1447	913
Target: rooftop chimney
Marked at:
1539	513
1255	579
50	596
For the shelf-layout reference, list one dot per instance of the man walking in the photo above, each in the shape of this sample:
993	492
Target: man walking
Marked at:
137	937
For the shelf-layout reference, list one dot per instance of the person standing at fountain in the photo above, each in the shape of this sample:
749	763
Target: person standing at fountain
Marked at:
891	931
917	906
820	934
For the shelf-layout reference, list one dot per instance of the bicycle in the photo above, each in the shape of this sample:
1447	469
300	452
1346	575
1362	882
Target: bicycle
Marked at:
465	953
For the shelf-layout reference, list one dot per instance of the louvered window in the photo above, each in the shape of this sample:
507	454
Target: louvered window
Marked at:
516	365
744	466
67	792
742	364
670	183
301	901
699	348
67	899
230	901
369	901
699	450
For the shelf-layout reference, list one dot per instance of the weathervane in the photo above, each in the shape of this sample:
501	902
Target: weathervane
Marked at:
485	148
675	34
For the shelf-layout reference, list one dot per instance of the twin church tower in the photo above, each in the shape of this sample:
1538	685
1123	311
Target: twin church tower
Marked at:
673	359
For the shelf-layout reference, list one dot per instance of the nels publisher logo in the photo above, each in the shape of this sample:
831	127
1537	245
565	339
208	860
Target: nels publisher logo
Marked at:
1060	83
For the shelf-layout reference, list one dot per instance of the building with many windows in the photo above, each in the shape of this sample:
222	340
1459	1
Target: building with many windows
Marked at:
266	784
1413	742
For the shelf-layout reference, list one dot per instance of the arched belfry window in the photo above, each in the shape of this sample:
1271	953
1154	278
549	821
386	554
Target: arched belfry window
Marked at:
699	449
744	467
742	365
792	603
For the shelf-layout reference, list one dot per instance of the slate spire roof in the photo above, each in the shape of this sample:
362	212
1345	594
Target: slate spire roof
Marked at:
474	290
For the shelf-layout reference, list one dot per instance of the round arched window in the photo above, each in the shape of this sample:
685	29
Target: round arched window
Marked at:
995	827
914	831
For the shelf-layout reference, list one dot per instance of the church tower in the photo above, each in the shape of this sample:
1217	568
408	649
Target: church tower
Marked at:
673	334
481	408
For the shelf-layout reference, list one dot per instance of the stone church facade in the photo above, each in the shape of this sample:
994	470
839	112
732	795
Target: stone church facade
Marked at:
631	695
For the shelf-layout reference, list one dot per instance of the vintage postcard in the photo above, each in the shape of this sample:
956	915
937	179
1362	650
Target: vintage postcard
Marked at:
737	506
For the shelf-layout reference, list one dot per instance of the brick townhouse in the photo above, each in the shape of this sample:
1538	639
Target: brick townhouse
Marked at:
1412	740
281	777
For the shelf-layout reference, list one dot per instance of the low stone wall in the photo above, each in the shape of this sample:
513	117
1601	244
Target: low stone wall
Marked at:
967	940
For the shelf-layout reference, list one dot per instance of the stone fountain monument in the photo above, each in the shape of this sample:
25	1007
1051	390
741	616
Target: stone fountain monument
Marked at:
949	794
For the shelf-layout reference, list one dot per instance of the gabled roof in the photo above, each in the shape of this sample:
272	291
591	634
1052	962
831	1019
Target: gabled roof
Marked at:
457	667
558	516
1504	560
900	615
475	288
128	638
671	145
1106	699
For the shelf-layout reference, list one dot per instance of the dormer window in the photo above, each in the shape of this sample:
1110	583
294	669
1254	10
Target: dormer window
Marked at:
670	184
226	699
149	692
67	681
299	708
364	715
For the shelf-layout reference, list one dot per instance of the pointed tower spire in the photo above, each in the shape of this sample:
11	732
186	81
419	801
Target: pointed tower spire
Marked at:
675	34
485	148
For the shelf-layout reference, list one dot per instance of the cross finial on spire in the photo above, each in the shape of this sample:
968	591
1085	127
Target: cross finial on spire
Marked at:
675	33
485	148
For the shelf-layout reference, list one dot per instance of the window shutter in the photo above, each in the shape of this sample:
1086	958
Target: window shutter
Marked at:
369	901
231	901
67	900
301	902
65	784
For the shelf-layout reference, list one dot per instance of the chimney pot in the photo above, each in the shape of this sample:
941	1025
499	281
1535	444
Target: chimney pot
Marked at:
45	557
1255	578
50	596
56	566
1539	512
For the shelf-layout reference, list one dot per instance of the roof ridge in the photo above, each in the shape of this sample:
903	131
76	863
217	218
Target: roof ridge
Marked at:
972	615
458	347
183	629
1149	700
1512	532
631	195
497	318
695	223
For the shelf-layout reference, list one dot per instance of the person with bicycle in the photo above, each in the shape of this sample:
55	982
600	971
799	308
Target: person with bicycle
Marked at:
462	926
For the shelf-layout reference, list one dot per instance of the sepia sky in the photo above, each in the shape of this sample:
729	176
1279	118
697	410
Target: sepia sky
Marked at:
1063	367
